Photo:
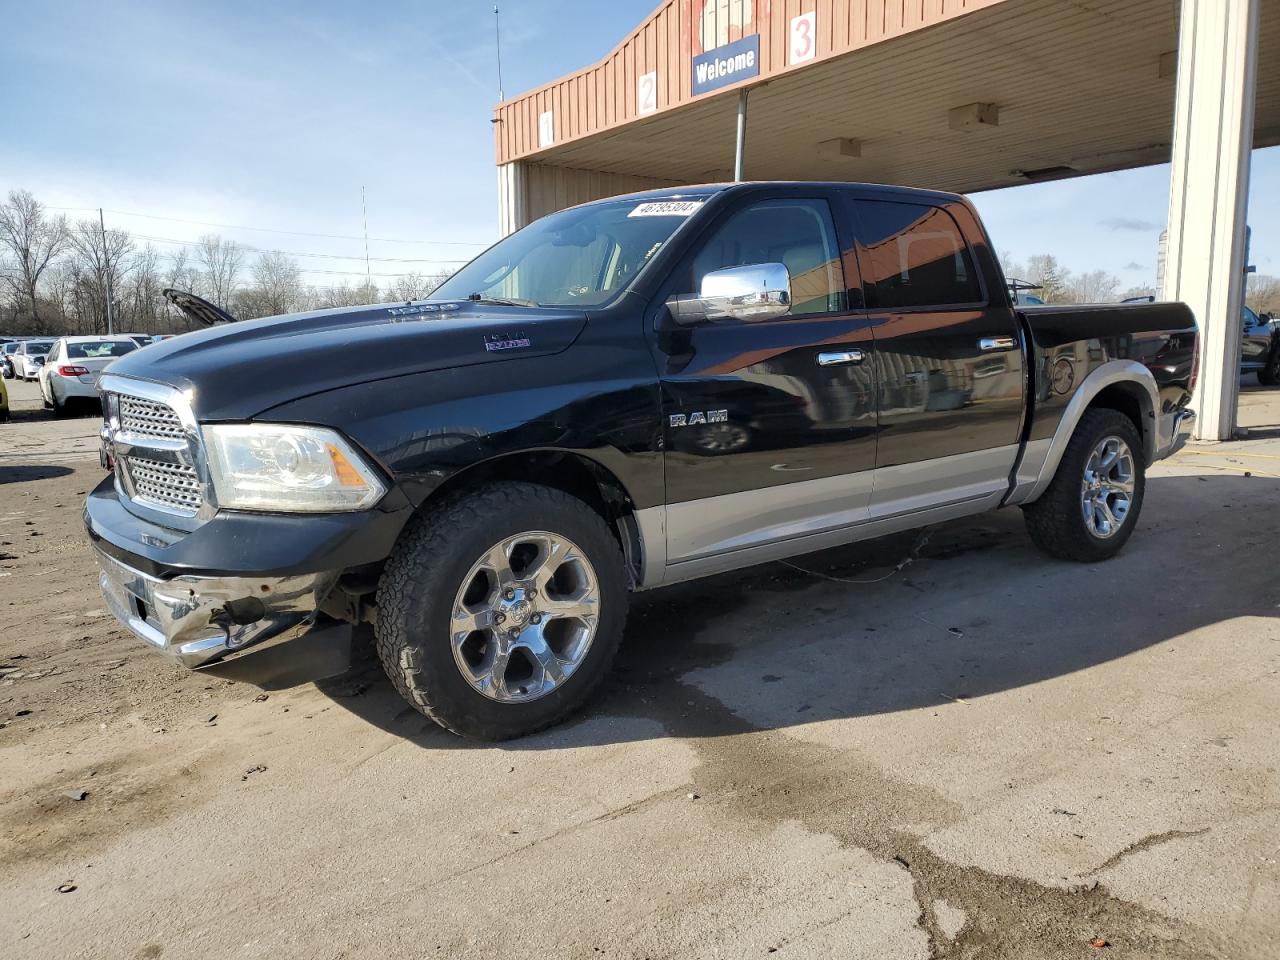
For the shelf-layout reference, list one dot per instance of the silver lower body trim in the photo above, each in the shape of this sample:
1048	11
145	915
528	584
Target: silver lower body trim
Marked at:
868	530
189	618
716	534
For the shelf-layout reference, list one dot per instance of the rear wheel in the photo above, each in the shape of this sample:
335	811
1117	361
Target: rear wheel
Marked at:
500	612
1091	507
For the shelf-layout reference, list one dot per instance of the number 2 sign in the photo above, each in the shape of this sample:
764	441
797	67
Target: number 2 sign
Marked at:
804	37
647	93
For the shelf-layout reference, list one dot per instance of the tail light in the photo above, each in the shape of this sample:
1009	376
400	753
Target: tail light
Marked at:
73	371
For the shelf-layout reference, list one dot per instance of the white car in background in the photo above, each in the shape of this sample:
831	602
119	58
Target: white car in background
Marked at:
71	369
27	358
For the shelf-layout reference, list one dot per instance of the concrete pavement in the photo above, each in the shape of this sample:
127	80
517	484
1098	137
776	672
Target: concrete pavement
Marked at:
990	754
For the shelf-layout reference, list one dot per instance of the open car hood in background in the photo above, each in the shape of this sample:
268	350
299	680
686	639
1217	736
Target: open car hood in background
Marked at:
197	308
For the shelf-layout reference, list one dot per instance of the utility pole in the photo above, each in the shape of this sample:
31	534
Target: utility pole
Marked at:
106	271
364	214
497	40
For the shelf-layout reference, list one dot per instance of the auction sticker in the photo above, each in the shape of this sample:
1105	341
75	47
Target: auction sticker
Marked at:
666	208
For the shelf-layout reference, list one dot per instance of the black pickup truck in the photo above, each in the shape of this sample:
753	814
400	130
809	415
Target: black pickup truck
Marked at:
622	395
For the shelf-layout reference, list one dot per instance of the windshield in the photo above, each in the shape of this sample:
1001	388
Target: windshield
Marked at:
40	346
576	258
103	348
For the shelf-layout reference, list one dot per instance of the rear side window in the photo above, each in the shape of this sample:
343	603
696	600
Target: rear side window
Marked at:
913	255
103	348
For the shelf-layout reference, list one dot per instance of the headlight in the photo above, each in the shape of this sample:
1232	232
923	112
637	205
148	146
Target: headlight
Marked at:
259	466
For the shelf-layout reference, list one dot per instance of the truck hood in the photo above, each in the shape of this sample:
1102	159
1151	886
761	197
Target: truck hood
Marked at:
237	370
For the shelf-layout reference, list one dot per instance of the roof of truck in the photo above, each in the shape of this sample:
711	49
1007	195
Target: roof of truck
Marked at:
711	189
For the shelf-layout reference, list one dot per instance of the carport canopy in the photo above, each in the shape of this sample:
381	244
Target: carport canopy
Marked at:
962	95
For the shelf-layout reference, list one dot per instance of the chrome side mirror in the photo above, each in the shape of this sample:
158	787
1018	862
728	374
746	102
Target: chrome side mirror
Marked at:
752	293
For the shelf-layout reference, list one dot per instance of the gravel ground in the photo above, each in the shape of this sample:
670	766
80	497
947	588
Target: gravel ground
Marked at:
989	754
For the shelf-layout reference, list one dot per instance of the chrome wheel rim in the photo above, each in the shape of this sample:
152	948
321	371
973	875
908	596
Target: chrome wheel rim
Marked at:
524	617
1106	493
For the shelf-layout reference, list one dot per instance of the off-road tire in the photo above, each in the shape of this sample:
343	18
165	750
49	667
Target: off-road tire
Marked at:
1056	522
421	578
1269	376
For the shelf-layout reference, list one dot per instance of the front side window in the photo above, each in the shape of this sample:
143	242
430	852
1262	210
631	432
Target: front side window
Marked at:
914	255
55	352
582	257
799	234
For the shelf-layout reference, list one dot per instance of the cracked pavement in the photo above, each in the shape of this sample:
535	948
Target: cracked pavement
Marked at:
990	754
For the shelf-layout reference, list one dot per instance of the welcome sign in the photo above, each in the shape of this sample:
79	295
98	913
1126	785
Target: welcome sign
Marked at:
725	65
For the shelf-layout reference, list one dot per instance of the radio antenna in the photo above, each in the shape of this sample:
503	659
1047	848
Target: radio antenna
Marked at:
497	41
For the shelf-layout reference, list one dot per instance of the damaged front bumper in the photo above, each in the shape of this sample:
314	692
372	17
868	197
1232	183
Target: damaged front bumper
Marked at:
202	619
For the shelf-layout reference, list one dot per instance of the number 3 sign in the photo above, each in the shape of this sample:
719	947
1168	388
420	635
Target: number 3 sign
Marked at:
804	37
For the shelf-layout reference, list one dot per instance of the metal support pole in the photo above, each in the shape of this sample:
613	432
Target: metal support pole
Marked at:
742	136
106	271
1209	193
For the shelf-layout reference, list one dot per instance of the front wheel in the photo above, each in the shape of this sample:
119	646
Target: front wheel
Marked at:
500	612
1269	376
1093	503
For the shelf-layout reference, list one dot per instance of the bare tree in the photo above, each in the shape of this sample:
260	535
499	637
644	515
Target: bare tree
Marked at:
183	275
411	286
277	287
1096	286
220	261
103	262
32	241
145	305
1043	270
345	295
1263	294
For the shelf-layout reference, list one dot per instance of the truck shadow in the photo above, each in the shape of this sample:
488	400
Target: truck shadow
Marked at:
978	612
23	472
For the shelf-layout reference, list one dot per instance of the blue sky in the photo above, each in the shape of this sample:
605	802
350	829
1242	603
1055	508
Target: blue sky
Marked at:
274	115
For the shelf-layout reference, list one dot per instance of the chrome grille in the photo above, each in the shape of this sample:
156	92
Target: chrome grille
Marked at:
170	486
147	418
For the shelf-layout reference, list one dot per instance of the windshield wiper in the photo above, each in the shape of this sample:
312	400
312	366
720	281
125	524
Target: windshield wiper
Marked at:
500	301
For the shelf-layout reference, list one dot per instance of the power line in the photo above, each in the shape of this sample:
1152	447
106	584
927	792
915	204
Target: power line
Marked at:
315	270
292	233
299	253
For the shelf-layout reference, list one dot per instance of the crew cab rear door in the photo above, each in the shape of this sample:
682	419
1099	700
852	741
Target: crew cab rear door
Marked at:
769	426
949	353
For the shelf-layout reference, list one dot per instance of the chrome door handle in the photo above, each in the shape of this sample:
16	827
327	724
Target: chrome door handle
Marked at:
997	343
837	357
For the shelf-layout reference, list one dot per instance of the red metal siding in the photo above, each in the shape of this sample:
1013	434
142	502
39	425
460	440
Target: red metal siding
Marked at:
605	95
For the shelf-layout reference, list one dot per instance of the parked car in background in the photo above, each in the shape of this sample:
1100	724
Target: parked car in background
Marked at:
1021	297
141	339
7	350
1259	344
29	358
1260	348
70	371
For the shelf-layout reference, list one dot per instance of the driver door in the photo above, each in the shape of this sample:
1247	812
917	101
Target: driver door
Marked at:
769	426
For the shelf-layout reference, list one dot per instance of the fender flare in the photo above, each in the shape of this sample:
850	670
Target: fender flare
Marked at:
1040	458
